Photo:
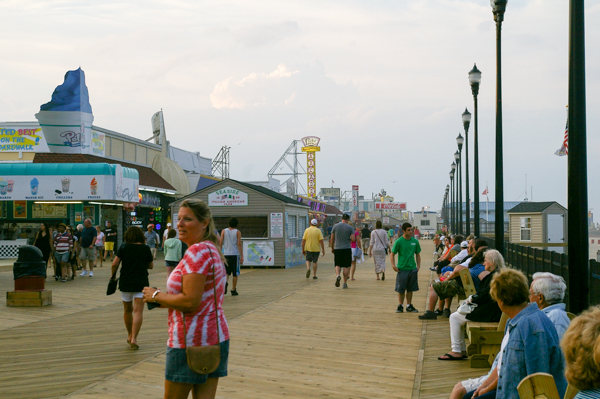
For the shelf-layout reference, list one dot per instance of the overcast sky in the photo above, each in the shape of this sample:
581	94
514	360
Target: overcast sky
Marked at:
383	83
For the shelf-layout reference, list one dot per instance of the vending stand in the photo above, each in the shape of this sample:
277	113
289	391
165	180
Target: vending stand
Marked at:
271	224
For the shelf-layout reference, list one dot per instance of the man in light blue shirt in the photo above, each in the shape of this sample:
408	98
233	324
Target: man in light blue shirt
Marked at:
548	291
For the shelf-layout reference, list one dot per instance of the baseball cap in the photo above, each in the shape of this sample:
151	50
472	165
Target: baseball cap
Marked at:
314	222
150	225
168	224
464	244
346	216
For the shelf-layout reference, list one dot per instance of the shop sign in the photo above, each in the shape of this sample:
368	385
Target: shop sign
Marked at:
390	205
22	138
259	253
355	196
150	199
332	193
386	220
311	146
228	196
277	225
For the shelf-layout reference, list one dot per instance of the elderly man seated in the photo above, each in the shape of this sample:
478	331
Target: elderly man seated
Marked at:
548	291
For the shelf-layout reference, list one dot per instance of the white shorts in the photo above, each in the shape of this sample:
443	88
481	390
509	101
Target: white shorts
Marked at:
128	296
473	383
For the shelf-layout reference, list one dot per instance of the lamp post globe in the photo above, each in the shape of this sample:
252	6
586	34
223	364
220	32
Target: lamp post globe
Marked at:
466	118
474	81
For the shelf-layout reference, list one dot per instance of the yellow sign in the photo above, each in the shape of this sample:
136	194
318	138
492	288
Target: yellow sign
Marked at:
311	145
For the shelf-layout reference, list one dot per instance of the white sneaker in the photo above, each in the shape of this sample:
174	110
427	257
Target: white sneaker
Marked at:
91	274
83	273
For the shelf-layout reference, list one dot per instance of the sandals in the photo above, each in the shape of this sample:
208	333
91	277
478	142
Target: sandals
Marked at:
448	356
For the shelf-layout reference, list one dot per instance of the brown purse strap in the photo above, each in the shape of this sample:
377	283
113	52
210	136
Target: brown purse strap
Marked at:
216	306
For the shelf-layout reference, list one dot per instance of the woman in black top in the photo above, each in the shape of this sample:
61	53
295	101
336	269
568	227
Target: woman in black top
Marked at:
137	259
43	240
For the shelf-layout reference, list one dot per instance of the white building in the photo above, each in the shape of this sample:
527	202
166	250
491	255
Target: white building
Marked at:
425	221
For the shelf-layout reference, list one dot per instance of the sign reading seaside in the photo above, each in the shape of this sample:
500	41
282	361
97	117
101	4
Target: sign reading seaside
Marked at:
228	196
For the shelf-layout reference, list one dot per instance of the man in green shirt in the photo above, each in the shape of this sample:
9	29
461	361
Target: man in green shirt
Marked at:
407	279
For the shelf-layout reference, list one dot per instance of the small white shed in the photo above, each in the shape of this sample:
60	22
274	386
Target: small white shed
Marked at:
539	224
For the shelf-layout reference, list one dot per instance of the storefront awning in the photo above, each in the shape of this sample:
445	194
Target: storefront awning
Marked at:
68	182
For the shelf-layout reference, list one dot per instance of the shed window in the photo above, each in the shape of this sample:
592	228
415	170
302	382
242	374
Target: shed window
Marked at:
291	226
301	226
425	223
526	229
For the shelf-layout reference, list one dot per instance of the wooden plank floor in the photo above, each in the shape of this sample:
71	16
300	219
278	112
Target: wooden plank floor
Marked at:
290	336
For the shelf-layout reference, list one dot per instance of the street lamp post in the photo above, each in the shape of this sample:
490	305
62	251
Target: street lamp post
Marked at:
578	239
498	8
455	193
458	192
466	118
460	140
452	215
447	213
474	80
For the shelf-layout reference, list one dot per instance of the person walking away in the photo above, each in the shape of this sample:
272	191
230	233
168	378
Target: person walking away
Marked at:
43	240
152	239
312	242
356	246
174	251
166	234
77	244
88	239
407	279
378	249
99	245
110	240
391	235
136	260
342	235
231	244
195	287
63	245
73	258
365	237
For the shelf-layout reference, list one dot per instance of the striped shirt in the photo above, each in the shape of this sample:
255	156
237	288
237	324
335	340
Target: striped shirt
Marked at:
63	242
201	324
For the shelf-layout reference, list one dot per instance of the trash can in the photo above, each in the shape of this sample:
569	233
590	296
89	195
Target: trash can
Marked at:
29	273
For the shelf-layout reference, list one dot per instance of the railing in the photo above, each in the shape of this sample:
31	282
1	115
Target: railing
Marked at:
531	260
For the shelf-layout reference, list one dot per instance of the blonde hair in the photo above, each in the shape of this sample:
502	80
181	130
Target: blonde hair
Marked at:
496	258
203	213
510	286
581	347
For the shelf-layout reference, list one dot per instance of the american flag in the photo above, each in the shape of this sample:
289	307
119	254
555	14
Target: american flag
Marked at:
564	150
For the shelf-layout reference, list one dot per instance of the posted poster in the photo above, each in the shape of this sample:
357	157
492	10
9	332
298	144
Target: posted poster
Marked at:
37	211
259	253
293	252
78	217
20	209
277	225
88	213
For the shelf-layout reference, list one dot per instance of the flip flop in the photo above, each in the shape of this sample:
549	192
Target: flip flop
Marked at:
135	346
450	357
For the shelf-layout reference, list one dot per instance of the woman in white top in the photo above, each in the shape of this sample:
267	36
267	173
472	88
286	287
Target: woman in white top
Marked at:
378	249
231	245
99	245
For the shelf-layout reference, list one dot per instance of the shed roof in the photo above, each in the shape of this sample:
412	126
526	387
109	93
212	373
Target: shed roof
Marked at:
532	207
260	189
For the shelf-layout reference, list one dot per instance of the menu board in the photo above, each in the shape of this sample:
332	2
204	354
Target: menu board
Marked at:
49	211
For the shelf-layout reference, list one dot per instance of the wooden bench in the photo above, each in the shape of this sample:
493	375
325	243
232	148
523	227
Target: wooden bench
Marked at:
485	340
542	386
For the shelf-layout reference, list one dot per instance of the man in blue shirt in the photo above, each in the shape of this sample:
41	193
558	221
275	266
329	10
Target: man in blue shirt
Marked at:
88	239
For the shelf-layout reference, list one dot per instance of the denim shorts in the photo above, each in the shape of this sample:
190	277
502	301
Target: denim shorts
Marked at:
177	370
60	258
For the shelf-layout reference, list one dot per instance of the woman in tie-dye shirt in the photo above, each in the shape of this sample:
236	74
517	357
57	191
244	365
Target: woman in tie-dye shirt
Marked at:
191	290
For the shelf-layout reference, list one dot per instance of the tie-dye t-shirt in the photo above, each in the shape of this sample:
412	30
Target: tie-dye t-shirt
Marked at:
201	324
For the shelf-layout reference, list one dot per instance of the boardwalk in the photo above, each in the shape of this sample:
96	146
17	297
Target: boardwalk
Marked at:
290	337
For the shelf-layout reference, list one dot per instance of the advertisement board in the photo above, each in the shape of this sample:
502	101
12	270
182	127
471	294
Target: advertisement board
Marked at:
355	196
259	253
330	193
22	138
228	196
311	146
390	205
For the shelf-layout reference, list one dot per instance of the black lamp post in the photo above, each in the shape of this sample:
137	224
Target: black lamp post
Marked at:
466	118
447	213
577	240
460	140
458	192
452	220
474	80
498	8
455	198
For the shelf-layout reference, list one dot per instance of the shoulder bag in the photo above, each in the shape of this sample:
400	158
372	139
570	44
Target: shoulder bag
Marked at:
204	359
381	241
467	306
112	283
